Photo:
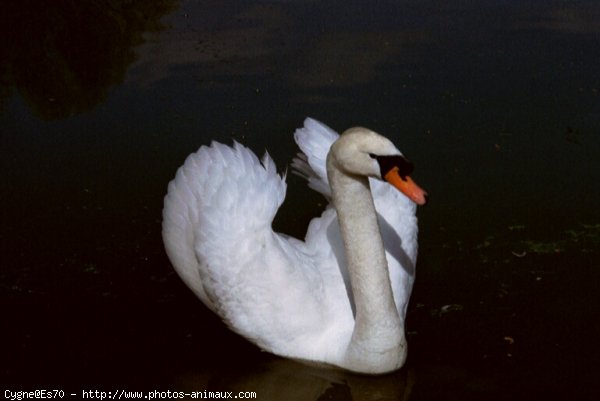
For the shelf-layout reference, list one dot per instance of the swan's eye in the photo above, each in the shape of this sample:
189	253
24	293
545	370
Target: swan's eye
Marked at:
372	155
386	163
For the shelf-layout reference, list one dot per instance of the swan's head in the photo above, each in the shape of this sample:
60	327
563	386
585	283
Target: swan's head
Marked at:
360	151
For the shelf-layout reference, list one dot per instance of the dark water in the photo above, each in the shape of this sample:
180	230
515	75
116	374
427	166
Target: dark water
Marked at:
496	102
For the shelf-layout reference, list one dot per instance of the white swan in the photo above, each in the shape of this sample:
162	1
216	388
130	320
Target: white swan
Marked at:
337	298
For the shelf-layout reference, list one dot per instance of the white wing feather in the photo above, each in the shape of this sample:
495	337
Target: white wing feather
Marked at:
314	139
267	287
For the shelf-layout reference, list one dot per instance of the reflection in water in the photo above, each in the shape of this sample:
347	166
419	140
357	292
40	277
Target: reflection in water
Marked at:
63	56
278	377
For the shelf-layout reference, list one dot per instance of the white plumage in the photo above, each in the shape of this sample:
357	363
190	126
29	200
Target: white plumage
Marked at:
290	297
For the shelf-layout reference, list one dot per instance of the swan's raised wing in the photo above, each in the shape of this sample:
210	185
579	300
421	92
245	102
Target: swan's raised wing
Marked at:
217	229
314	139
221	198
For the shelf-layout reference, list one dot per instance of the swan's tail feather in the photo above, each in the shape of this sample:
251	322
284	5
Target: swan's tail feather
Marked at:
314	139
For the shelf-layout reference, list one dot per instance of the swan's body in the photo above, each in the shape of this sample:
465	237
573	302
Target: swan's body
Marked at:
339	297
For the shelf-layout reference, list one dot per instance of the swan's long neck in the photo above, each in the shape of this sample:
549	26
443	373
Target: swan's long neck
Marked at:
378	344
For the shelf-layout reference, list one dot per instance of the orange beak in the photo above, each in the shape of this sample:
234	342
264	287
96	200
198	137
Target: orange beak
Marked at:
407	186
